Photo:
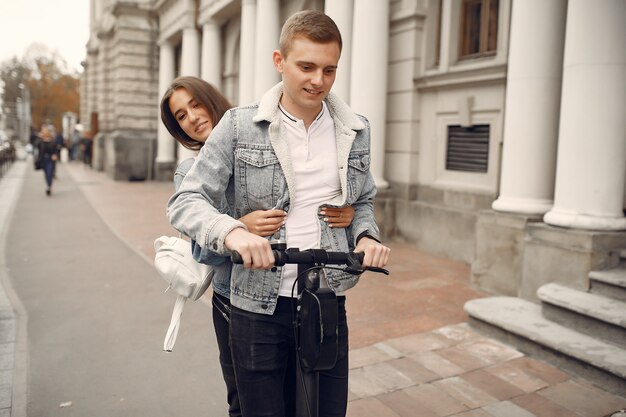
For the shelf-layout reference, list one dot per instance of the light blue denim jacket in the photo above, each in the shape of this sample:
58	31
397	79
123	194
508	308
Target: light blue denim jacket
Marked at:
221	264
245	166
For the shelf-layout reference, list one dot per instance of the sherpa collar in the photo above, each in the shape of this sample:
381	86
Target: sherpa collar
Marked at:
268	108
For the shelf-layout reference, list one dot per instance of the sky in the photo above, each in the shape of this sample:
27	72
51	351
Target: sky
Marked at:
61	25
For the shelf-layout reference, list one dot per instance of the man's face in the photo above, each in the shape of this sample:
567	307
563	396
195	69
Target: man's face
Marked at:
308	73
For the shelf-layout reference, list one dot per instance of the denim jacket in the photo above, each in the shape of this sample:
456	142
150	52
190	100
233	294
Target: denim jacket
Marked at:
221	264
245	166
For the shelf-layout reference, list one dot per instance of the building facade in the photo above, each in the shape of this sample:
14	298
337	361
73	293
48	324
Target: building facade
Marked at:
498	127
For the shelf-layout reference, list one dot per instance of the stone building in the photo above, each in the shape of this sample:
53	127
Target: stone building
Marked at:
499	135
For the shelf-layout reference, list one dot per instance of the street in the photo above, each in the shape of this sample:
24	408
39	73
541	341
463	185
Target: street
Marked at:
97	316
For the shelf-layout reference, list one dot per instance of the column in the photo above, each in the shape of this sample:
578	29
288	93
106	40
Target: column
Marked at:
211	69
341	13
591	164
368	88
266	42
190	65
246	52
165	142
533	95
190	62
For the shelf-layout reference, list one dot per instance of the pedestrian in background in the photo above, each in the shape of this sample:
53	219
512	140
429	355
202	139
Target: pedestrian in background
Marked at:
47	154
86	146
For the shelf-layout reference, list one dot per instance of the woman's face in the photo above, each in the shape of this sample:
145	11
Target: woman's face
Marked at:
193	117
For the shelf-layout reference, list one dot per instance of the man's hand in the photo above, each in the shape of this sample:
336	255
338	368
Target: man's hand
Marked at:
376	254
255	251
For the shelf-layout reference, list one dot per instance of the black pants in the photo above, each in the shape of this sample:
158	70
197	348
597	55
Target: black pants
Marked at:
221	313
263	349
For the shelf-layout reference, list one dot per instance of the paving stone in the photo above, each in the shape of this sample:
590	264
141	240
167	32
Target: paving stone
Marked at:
542	407
474	413
367	356
458	333
377	379
517	377
493	385
413	370
5	412
491	350
420	342
369	407
388	349
466	393
585	400
463	359
435	399
541	370
437	364
506	409
405	405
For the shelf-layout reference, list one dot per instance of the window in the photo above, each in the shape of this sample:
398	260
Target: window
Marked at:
479	28
468	148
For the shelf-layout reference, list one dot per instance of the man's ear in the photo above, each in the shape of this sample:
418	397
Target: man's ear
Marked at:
278	61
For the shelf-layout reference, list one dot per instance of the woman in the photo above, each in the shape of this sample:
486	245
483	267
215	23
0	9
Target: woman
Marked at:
190	108
48	154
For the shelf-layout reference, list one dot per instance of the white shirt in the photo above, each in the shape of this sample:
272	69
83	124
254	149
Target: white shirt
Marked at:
314	159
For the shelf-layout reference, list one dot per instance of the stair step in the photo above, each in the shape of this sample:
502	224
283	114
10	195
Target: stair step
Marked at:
610	282
522	324
592	314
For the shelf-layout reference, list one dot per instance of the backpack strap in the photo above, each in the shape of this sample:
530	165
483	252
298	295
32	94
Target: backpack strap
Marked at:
172	331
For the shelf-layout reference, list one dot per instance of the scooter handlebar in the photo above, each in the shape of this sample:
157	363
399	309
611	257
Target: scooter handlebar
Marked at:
310	256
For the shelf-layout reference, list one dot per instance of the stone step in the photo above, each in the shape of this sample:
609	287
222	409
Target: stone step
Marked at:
522	324
610	282
592	314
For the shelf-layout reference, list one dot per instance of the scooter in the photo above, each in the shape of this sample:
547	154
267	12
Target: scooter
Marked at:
315	318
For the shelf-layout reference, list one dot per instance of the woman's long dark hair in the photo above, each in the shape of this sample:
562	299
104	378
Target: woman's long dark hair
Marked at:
205	94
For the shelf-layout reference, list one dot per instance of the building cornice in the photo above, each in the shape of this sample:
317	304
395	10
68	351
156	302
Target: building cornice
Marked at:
461	76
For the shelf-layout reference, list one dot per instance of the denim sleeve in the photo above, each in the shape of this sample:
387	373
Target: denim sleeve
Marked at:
205	256
199	254
364	220
194	209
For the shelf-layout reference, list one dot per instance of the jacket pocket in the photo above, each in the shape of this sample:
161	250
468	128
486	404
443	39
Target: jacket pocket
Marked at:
259	177
358	167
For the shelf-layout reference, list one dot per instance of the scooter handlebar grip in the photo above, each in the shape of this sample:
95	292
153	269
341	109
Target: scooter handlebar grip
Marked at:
235	257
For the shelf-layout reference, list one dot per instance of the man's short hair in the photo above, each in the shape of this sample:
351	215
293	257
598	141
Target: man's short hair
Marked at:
311	24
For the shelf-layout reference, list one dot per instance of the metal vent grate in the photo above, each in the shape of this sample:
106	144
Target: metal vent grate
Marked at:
468	148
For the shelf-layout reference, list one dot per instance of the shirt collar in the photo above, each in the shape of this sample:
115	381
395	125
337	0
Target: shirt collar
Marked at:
289	118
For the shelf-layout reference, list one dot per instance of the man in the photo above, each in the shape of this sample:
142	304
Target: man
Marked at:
300	149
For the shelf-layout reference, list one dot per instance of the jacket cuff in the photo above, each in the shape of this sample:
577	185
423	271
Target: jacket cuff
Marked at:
364	234
217	231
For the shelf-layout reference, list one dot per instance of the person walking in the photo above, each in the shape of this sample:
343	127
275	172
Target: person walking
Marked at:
47	154
299	149
190	108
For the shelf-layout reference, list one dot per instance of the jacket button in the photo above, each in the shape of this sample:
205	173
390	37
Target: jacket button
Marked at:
264	306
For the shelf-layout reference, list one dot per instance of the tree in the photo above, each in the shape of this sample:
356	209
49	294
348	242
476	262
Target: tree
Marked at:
13	74
53	89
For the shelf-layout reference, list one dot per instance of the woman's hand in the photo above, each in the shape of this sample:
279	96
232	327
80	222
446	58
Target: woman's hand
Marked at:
264	222
338	217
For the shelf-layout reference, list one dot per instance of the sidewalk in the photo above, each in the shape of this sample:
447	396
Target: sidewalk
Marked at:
412	352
